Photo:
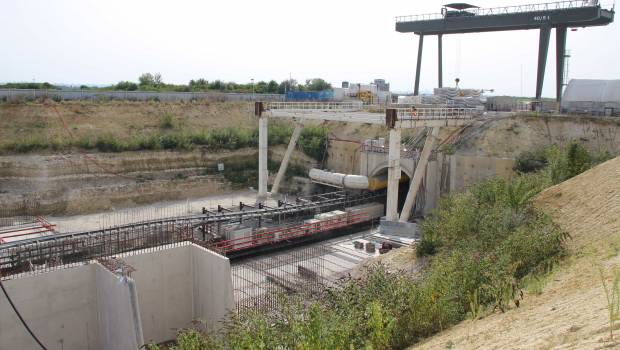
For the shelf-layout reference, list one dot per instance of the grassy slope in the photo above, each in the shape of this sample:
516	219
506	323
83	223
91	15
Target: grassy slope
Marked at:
571	312
121	119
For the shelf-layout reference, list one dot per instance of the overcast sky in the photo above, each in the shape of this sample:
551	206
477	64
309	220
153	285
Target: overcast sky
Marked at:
103	42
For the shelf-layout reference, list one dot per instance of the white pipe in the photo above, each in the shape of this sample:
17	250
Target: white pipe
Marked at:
353	182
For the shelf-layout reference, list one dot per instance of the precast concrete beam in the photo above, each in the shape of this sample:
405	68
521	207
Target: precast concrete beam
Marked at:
287	156
418	175
262	158
393	175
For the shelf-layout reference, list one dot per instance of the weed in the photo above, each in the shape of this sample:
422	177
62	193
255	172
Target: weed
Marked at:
612	295
168	121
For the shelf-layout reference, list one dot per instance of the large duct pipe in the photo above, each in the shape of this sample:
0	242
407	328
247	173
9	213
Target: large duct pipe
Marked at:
352	182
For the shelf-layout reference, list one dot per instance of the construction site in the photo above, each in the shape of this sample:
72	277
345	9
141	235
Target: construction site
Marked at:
107	244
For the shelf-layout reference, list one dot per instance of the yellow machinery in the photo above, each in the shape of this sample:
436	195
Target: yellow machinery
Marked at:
365	96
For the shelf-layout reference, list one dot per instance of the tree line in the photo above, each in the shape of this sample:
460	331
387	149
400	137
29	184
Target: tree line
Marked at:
154	82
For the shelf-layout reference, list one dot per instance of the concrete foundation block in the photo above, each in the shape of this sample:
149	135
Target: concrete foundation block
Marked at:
396	228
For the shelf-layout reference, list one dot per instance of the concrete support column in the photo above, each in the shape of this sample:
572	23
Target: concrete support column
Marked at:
418	176
543	49
416	88
287	156
560	56
440	60
262	157
393	175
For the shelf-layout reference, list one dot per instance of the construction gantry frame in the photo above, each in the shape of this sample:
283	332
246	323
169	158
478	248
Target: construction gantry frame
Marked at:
395	119
544	17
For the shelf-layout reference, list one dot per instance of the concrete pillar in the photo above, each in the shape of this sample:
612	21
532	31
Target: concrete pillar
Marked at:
418	176
262	158
287	156
393	175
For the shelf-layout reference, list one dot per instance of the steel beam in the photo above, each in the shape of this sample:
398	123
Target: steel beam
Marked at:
560	56
416	88
543	49
440	60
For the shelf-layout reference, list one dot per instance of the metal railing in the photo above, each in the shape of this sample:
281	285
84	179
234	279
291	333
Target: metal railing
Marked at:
412	114
549	6
317	106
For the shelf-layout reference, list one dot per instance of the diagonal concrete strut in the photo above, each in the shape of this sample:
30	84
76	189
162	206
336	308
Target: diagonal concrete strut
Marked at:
287	156
420	172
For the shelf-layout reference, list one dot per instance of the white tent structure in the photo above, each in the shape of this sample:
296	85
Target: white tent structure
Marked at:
597	97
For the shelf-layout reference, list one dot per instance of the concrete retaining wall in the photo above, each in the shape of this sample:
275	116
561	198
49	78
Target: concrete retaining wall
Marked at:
466	171
178	286
89	307
60	307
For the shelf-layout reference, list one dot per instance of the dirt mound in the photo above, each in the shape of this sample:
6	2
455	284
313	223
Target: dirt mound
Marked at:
587	206
571	312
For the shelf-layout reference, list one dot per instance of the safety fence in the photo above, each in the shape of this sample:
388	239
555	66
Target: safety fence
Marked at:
69	95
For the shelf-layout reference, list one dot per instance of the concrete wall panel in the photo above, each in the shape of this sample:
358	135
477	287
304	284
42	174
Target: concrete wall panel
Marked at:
118	317
60	307
164	282
213	290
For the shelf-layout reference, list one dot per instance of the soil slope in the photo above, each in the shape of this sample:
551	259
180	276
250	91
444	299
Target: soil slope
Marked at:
571	312
50	121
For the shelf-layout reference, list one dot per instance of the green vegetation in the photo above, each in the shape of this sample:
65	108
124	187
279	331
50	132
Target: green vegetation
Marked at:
563	163
154	82
28	86
483	247
172	135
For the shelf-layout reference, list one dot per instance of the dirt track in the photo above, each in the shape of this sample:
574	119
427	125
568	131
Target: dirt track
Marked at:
571	312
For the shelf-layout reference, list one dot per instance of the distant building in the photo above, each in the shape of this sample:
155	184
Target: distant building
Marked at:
595	97
382	85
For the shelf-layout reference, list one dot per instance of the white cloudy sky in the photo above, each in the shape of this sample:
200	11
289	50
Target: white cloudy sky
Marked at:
100	42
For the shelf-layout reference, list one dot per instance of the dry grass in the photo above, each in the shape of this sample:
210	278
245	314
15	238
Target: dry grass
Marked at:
122	119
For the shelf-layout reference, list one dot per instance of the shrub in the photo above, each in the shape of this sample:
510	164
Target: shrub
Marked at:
168	121
313	141
108	143
528	162
32	143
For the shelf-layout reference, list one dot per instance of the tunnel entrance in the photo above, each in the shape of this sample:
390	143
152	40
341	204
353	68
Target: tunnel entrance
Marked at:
403	186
